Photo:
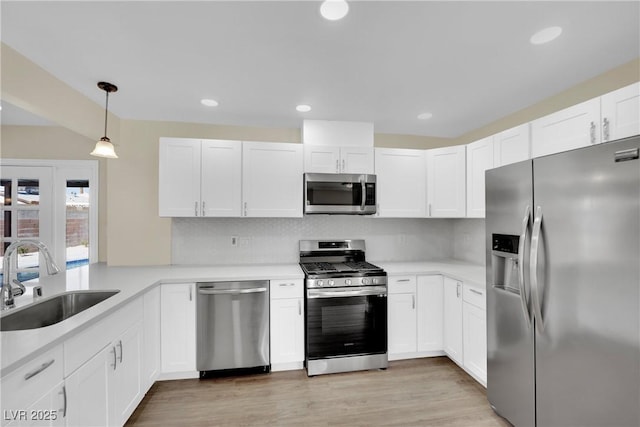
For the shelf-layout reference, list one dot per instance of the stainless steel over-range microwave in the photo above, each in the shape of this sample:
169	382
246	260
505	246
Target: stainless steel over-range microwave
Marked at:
333	193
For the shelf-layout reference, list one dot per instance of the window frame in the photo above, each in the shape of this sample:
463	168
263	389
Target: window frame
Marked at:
63	170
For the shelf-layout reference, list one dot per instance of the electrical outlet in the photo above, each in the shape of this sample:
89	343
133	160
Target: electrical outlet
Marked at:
234	240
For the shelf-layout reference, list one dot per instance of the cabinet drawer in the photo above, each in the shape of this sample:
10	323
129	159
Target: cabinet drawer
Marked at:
286	289
27	384
475	295
401	284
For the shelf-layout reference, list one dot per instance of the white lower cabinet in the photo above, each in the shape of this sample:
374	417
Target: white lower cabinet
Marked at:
151	338
474	331
453	319
429	315
125	381
414	316
178	329
88	392
287	324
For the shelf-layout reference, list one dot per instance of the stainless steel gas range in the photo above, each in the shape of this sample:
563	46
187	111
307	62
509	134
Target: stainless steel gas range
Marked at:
345	306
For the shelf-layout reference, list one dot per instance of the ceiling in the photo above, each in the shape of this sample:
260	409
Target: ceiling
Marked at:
467	63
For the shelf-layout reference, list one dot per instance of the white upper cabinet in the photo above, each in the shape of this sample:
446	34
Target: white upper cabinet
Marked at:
199	177
479	158
272	179
337	133
512	145
221	189
446	182
621	113
331	159
179	177
574	127
401	182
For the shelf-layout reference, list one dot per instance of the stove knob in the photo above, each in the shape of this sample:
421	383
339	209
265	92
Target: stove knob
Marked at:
331	283
319	282
347	282
365	281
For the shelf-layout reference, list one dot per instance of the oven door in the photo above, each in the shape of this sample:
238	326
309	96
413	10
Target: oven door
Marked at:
346	322
327	193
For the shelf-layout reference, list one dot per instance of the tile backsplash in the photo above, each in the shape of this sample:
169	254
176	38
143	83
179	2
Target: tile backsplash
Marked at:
275	240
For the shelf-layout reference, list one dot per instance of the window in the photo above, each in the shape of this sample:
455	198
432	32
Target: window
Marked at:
54	202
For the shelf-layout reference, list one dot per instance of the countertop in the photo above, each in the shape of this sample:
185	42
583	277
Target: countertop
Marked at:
18	347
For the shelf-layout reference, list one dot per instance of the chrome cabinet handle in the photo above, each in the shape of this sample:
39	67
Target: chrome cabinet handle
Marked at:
39	369
299	308
458	290
120	345
245	208
523	294
190	293
203	209
343	168
605	129
533	267
63	392
231	291
337	165
475	291
402	280
413	302
196	209
429	209
287	285
115	359
593	132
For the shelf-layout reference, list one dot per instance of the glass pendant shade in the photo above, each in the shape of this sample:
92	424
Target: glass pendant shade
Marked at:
104	148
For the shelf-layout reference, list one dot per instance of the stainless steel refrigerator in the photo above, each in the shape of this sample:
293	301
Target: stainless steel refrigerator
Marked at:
563	281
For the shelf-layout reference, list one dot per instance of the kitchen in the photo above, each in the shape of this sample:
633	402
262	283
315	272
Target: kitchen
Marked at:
129	217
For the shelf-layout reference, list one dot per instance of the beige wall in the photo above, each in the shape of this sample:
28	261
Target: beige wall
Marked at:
132	233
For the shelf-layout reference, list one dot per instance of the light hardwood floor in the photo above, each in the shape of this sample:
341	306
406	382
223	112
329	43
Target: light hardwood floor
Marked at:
418	392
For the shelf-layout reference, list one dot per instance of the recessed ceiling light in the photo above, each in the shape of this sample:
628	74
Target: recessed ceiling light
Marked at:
209	102
334	10
303	108
425	116
546	35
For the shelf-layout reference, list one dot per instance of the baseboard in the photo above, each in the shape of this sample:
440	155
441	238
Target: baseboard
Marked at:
167	376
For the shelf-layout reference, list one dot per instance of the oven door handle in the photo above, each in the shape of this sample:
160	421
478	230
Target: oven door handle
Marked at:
333	293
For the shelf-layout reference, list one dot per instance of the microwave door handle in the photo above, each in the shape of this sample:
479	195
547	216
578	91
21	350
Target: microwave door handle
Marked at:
364	194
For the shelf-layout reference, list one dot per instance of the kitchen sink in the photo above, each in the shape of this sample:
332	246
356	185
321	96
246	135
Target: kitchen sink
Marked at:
52	310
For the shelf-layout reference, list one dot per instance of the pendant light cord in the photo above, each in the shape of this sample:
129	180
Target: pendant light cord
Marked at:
106	110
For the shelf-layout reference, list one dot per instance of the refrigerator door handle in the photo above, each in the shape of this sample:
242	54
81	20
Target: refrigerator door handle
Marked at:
523	293
533	267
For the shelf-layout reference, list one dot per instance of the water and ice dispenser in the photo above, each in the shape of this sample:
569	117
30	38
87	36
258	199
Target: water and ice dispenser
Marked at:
504	261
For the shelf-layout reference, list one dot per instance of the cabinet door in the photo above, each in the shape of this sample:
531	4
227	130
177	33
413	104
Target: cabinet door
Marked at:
401	323
221	178
475	341
430	313
453	319
401	183
356	160
621	113
178	327
479	159
573	127
179	177
272	179
125	381
87	390
151	348
287	330
512	145
446	170
49	410
321	159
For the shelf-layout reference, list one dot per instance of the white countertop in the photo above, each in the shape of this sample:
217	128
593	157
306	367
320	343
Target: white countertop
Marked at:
18	347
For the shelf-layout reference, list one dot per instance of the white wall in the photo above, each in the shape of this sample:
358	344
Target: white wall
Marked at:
275	240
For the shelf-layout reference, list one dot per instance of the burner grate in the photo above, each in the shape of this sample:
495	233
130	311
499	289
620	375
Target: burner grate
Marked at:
319	267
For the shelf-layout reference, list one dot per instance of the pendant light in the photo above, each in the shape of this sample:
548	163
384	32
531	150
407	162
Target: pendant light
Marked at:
104	147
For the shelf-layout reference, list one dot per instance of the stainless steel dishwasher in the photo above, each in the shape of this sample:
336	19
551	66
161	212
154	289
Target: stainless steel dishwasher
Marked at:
232	326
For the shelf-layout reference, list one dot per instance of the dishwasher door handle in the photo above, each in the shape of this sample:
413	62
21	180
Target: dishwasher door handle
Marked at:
204	291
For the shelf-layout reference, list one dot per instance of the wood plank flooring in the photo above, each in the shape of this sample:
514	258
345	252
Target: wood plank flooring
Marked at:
418	392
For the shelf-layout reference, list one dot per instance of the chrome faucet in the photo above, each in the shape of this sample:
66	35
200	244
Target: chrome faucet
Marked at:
7	292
